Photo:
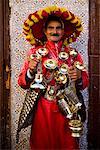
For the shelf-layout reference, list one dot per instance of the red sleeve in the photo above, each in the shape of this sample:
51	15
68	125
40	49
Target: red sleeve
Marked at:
85	77
22	76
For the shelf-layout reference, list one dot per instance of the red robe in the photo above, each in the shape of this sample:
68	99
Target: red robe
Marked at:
50	127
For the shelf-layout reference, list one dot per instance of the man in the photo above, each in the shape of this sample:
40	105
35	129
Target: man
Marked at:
46	70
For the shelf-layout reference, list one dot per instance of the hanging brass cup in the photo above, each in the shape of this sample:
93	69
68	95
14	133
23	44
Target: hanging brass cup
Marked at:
79	66
76	127
50	64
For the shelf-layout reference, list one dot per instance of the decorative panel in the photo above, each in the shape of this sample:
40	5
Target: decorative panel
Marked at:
20	9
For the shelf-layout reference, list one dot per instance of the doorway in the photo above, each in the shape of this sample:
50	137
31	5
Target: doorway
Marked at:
94	74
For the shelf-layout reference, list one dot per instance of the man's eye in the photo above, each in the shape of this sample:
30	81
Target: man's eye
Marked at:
58	27
50	27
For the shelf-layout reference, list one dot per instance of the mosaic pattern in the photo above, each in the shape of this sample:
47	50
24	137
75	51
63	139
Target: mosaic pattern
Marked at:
20	9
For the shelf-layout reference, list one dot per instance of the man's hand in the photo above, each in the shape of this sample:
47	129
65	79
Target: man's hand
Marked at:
74	73
32	65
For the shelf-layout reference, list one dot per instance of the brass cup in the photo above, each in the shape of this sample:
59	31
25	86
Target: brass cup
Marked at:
76	127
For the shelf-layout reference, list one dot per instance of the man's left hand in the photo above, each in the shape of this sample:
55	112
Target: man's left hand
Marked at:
74	73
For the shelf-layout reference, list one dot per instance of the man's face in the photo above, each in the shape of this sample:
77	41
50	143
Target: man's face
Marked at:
54	31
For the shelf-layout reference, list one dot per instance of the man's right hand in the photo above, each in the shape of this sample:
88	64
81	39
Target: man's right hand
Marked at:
32	65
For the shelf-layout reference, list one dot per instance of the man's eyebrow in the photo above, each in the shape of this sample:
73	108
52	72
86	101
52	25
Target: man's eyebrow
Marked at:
58	27
50	27
54	27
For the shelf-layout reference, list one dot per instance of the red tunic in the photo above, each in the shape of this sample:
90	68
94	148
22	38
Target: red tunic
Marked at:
50	127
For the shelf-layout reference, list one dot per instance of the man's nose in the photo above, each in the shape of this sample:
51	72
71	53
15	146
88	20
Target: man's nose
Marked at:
54	30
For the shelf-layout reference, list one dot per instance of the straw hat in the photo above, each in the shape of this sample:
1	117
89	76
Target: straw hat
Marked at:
33	26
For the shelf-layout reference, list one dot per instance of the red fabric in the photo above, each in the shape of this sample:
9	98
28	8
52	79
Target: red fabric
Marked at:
50	128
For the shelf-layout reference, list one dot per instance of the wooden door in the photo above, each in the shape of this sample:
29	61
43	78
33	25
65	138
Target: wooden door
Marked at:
5	128
94	73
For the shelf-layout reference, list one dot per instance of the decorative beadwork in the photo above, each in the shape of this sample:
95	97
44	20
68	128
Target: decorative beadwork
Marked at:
20	9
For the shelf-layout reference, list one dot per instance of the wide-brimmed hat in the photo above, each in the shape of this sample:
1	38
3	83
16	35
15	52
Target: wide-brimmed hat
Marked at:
33	26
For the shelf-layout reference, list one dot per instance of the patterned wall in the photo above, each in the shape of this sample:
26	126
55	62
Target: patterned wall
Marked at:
20	9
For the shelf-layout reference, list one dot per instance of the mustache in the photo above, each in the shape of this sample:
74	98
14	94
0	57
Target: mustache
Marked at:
54	34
